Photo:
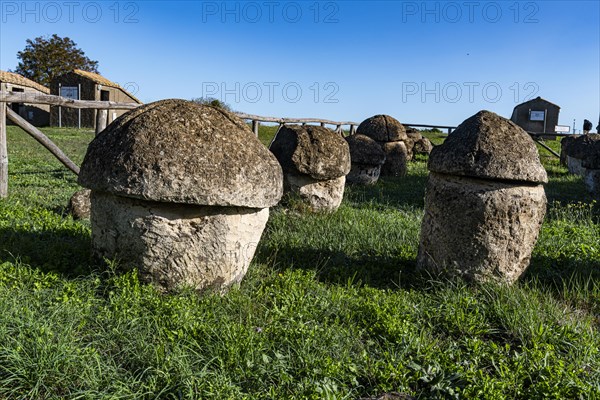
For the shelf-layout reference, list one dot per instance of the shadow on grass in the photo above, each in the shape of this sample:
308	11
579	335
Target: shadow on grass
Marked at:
390	192
567	189
552	273
573	281
338	268
59	250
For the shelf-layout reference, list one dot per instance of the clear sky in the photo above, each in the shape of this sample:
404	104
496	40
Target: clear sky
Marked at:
433	62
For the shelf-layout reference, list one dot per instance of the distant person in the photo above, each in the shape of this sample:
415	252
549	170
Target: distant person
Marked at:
587	126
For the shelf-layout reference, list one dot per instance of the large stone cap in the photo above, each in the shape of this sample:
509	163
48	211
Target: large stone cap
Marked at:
382	128
587	149
182	152
364	150
311	150
490	147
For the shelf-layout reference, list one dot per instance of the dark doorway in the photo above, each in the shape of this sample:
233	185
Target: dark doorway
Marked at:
17	107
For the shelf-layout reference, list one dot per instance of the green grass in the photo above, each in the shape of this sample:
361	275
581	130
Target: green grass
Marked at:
330	308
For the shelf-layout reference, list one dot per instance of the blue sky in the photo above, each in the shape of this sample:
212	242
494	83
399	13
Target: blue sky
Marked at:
435	62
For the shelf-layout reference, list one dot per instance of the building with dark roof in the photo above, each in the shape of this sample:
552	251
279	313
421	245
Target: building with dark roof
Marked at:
537	116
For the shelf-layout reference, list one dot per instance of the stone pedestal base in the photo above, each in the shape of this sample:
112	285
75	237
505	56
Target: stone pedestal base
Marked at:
591	178
177	244
574	165
396	158
323	196
481	230
361	174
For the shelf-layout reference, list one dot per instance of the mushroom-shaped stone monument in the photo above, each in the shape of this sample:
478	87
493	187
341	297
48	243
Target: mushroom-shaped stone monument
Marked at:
583	158
580	150
484	202
565	145
366	157
413	135
180	191
422	146
315	162
391	136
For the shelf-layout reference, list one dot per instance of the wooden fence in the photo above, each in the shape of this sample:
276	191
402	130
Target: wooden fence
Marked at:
33	98
102	108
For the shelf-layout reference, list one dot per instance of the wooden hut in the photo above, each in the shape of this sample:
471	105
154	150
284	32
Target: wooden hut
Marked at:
537	116
36	114
84	85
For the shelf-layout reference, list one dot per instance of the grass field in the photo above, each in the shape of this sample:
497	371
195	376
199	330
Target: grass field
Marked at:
330	308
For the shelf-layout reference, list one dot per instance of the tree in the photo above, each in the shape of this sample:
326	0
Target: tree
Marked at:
45	58
211	101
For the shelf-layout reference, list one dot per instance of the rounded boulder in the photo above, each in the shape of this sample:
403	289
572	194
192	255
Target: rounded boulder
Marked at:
488	146
382	128
311	150
364	150
367	157
182	152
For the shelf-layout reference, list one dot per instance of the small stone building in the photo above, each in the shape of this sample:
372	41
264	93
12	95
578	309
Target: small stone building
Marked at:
537	116
36	114
93	87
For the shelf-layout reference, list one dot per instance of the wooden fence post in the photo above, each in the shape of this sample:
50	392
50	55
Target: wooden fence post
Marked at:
101	120
352	129
255	126
3	153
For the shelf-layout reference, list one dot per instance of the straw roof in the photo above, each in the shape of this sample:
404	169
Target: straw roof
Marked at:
99	79
16	79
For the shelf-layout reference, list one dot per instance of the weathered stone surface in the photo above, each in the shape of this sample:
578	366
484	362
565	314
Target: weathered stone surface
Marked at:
311	150
182	152
565	144
479	229
396	158
410	144
382	128
575	166
489	146
413	133
180	191
591	178
422	146
582	154
587	149
205	247
363	174
319	195
364	150
79	204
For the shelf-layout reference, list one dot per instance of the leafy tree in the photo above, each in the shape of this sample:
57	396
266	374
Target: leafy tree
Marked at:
211	101
45	58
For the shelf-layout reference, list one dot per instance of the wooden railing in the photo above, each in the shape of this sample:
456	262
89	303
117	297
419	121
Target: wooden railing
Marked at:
34	98
257	119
